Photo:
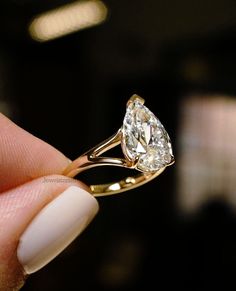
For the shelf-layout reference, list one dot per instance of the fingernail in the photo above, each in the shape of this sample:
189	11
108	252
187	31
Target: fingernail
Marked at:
55	227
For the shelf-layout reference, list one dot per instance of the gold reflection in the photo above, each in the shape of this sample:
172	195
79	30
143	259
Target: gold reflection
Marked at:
67	19
207	151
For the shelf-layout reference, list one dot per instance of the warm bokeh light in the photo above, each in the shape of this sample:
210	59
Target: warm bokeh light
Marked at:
67	19
207	151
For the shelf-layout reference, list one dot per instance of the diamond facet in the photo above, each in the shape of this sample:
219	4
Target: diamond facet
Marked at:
145	140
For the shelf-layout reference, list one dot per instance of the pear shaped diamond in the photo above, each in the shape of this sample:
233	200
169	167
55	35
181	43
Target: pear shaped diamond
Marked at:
145	140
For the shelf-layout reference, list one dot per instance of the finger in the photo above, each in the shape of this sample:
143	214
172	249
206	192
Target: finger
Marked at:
38	220
24	157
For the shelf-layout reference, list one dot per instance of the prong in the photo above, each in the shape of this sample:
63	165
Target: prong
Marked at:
135	163
135	97
172	161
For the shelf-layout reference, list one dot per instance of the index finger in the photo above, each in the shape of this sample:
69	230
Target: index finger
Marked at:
24	157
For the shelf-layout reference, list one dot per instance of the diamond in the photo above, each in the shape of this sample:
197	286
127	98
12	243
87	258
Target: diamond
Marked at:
145	140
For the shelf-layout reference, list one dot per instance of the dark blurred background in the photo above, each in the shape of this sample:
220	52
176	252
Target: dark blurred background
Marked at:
70	89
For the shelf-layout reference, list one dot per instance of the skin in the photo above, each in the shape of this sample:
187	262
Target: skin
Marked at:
25	161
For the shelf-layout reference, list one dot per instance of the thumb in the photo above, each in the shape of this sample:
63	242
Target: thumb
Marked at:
37	221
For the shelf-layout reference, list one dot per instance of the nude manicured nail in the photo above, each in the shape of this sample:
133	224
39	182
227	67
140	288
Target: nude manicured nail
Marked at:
55	227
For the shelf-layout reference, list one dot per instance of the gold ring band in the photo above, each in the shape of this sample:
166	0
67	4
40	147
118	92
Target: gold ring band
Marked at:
143	140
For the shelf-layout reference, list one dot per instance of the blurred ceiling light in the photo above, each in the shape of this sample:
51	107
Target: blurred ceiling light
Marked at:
67	19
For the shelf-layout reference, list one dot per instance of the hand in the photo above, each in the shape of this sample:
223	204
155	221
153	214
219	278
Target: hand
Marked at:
41	211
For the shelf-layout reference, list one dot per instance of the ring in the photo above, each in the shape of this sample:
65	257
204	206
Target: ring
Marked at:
145	144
